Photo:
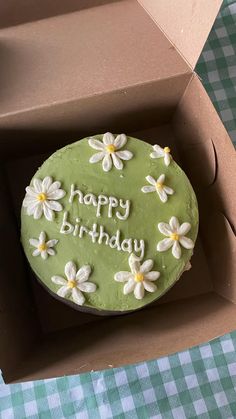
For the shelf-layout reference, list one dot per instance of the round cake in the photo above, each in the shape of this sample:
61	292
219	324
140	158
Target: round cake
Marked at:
109	223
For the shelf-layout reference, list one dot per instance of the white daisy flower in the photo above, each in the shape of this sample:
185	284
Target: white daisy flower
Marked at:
42	197
176	237
109	151
75	284
158	186
43	248
161	152
139	279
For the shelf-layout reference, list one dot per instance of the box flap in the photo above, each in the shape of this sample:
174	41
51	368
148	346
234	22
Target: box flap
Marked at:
76	55
186	23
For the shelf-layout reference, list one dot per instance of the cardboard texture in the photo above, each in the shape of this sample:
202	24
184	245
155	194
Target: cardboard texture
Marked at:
108	66
185	23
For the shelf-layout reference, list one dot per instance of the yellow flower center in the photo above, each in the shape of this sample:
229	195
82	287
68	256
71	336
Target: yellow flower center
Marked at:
167	150
174	236
71	283
159	185
139	277
42	247
111	148
41	197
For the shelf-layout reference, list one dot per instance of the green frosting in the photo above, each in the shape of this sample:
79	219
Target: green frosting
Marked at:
70	165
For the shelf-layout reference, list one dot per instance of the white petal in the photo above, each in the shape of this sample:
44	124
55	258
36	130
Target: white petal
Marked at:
154	155
51	252
38	211
167	159
184	229
48	213
149	286
70	271
165	229
96	144
97	157
53	205
31	192
57	194
124	154
32	207
129	286
58	280
188	266
123	276
42	237
28	201
146	266
158	152
87	287
83	274
120	141
174	223
168	190
161	179
139	291
44	254
47	181
162	195
107	163
108	138
34	242
147	189
78	297
152	276
117	162
151	180
134	263
64	292
52	242
164	245
176	250
186	242
37	185
36	252
54	186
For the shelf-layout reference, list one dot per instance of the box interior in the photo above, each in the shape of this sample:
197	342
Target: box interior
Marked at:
76	51
158	99
80	342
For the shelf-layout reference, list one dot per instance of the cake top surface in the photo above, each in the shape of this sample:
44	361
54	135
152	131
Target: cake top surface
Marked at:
109	222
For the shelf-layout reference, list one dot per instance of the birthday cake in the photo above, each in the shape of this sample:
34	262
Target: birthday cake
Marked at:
109	223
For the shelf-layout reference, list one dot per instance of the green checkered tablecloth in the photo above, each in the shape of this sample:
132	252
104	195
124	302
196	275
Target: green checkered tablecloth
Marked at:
217	66
197	383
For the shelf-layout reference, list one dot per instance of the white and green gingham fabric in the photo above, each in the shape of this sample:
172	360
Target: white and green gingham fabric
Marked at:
197	383
217	66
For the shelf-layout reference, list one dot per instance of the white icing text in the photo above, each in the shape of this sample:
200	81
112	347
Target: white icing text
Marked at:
100	236
100	201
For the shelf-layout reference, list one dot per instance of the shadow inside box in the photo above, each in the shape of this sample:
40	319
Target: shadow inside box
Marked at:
112	342
14	13
28	141
11	68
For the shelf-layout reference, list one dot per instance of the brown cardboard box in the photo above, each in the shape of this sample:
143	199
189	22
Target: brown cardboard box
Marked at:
121	66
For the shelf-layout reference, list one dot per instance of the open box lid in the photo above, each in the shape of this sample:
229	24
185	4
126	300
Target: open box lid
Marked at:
185	23
62	52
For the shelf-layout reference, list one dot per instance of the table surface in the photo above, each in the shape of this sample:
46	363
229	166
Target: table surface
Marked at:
199	382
